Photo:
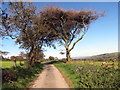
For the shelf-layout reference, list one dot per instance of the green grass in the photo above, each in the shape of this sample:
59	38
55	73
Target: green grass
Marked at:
92	75
95	63
21	76
9	64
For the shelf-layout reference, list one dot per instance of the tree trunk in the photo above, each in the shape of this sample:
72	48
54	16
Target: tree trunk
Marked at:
30	57
68	54
31	62
20	63
15	65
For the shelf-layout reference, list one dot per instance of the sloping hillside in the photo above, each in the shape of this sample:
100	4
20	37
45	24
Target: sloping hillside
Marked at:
106	56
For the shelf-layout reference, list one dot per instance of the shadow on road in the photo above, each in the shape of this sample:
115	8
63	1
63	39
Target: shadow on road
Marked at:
51	62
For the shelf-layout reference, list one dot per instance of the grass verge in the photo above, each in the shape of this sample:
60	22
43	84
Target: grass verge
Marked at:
20	77
85	75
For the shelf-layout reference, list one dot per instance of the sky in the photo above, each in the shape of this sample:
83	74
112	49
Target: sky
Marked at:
102	36
65	0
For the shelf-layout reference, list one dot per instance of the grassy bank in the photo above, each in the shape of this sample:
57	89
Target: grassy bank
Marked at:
89	75
20	77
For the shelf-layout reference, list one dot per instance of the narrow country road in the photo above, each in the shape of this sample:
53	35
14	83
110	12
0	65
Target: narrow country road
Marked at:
50	78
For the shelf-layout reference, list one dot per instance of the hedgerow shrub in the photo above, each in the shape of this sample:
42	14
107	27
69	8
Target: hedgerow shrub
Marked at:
19	77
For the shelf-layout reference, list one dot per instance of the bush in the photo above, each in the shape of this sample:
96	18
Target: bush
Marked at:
8	75
20	77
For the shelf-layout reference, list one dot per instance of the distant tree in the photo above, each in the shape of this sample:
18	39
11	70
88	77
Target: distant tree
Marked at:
1	58
22	54
56	58
51	58
68	26
19	58
3	52
62	53
12	57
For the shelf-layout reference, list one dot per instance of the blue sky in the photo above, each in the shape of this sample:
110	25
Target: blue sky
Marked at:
102	36
65	0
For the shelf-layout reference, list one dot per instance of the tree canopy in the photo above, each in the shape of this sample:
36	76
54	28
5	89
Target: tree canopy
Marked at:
34	30
68	25
22	24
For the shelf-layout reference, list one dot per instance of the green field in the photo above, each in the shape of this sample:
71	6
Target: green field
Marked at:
95	63
89	75
9	64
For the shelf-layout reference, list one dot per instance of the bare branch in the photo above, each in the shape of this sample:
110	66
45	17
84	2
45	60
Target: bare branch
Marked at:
84	32
76	42
73	35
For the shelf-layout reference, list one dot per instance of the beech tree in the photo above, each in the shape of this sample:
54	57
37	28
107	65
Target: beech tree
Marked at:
21	23
18	24
6	29
21	20
69	26
32	35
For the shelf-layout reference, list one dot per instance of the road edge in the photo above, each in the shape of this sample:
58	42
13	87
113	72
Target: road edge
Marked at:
68	81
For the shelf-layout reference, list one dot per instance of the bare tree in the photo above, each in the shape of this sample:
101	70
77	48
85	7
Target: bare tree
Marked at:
69	26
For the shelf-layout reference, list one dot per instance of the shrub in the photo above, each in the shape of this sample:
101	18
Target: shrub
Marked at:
8	75
20	77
